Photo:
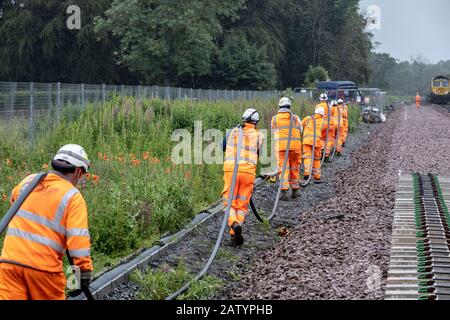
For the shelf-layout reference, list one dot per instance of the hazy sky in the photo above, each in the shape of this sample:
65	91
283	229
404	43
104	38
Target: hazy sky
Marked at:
412	27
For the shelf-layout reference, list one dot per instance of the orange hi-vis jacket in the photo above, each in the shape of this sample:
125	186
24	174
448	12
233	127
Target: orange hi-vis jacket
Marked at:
328	114
280	128
52	219
252	141
308	130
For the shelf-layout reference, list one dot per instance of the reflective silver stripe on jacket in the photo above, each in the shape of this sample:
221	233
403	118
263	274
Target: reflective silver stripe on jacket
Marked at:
77	232
42	221
80	253
35	238
63	204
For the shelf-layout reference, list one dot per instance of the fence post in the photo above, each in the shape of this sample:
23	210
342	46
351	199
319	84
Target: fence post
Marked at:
12	102
31	129
58	102
83	99
49	111
103	92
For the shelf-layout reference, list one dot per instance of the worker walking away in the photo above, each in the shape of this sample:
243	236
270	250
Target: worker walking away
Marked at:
52	219
339	125
328	125
251	142
344	134
308	144
280	128
332	132
418	100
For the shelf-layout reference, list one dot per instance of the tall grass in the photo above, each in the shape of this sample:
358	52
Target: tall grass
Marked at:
135	193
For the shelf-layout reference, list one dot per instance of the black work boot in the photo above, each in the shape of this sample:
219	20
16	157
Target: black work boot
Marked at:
284	195
238	238
295	193
233	241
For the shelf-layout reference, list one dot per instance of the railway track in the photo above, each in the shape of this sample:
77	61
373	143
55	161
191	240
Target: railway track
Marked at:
113	279
419	268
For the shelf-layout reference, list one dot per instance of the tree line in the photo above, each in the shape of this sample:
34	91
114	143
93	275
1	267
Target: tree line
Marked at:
405	77
220	44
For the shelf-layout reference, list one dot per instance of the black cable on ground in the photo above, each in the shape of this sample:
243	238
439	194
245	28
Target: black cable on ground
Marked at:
223	226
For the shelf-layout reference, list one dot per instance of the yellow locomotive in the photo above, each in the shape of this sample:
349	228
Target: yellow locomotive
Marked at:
440	90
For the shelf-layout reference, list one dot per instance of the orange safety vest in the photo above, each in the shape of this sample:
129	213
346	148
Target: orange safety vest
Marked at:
280	128
52	219
252	141
328	113
308	130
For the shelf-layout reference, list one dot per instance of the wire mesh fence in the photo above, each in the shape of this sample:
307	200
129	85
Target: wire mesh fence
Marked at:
30	99
45	104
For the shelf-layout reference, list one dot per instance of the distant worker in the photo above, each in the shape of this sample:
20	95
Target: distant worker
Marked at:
328	125
418	100
345	122
52	219
308	144
251	142
280	127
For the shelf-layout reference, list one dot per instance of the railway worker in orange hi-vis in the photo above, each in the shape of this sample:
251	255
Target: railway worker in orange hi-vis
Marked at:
281	123
328	125
418	100
52	220
250	140
308	144
345	121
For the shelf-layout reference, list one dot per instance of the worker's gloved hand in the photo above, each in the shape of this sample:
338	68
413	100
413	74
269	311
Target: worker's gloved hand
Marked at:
85	279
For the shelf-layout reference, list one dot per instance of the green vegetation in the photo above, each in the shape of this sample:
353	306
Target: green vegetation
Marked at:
407	77
223	44
134	192
158	284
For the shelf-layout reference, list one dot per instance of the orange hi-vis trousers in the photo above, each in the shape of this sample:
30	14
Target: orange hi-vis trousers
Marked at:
21	283
307	156
331	141
345	130
292	173
241	198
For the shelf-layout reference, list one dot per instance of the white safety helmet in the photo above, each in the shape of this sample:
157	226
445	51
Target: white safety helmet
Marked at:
320	110
74	155
251	115
334	103
323	97
340	101
284	102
